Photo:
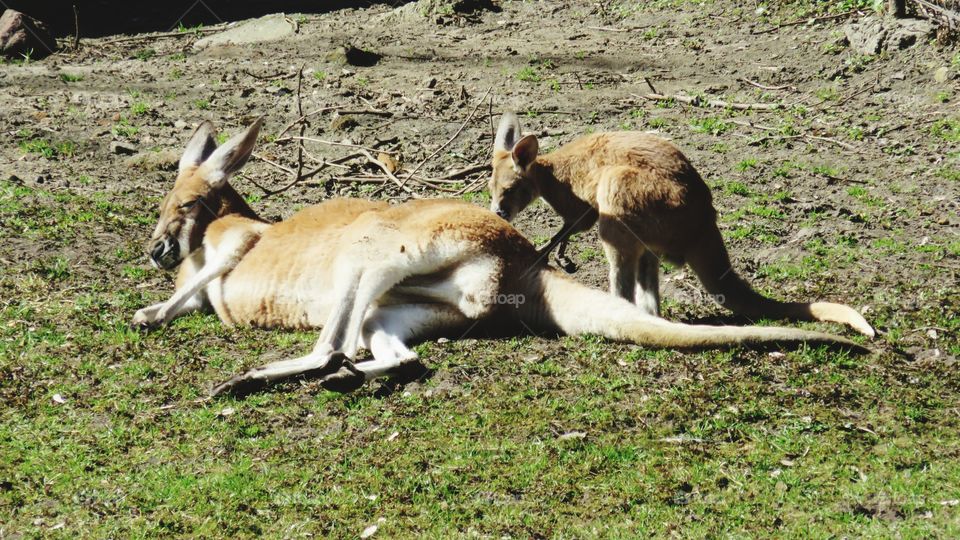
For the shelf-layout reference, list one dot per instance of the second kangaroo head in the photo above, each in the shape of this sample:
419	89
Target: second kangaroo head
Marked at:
512	185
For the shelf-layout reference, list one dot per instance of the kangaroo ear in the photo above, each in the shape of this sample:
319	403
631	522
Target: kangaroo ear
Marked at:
202	144
508	132
231	156
525	152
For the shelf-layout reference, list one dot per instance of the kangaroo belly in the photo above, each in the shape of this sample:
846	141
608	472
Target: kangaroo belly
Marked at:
273	289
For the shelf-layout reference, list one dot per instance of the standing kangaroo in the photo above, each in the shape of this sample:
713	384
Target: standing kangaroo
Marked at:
650	203
378	276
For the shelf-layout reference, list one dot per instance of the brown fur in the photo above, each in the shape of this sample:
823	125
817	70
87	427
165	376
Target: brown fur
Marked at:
651	204
378	274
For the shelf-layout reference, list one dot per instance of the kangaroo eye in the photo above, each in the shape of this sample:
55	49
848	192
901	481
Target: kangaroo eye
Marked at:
189	204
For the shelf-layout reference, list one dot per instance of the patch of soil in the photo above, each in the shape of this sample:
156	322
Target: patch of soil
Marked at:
858	159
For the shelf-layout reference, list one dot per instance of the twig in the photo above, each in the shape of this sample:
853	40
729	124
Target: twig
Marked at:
805	21
302	118
331	143
611	29
841	144
650	85
278	75
538	112
493	130
472	187
697	101
303	125
374	112
468	171
285	169
762	87
175	34
451	139
76	28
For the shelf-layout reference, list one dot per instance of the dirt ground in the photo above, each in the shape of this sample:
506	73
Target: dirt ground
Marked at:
848	192
875	174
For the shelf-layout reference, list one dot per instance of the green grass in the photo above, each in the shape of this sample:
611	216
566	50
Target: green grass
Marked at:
947	129
70	77
711	125
48	149
575	437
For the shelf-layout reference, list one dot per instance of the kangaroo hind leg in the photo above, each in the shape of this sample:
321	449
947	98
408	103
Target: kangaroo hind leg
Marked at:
648	283
623	256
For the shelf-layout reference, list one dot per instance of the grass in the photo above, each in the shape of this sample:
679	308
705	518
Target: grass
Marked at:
48	149
569	437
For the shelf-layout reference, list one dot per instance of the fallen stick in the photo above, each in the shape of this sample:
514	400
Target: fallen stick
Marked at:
468	171
762	87
697	101
302	118
805	21
175	34
332	143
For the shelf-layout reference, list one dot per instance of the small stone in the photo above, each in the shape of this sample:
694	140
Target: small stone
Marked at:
164	160
22	35
941	74
267	28
118	147
354	56
343	123
180	124
866	36
389	162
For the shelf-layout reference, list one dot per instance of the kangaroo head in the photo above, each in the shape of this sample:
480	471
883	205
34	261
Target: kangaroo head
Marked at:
512	186
195	200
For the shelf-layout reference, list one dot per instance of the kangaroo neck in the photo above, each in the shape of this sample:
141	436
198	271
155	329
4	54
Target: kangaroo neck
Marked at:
232	203
563	186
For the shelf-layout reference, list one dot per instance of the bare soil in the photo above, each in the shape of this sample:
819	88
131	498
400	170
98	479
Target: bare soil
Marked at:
852	160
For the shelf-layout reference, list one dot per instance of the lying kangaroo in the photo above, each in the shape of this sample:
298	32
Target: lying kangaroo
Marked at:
651	204
378	276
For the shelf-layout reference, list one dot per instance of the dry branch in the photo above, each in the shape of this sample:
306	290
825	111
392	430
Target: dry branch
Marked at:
697	101
809	20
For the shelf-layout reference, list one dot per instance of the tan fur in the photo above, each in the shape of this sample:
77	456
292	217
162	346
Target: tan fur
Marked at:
377	275
650	203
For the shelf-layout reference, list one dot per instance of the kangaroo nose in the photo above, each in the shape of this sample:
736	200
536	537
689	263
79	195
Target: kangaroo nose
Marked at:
502	213
156	250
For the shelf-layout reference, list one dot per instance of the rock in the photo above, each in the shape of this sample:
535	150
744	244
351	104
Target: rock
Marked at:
267	28
343	123
348	54
907	32
22	35
941	74
873	35
436	10
866	36
117	147
180	124
165	160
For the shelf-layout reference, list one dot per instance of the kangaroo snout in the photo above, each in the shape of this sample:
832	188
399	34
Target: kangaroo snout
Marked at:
500	211
164	253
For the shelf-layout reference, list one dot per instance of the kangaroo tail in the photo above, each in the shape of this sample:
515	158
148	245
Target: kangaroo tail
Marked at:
559	303
710	261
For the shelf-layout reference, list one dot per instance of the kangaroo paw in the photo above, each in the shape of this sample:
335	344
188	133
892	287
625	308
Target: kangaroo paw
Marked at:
239	385
566	264
346	379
